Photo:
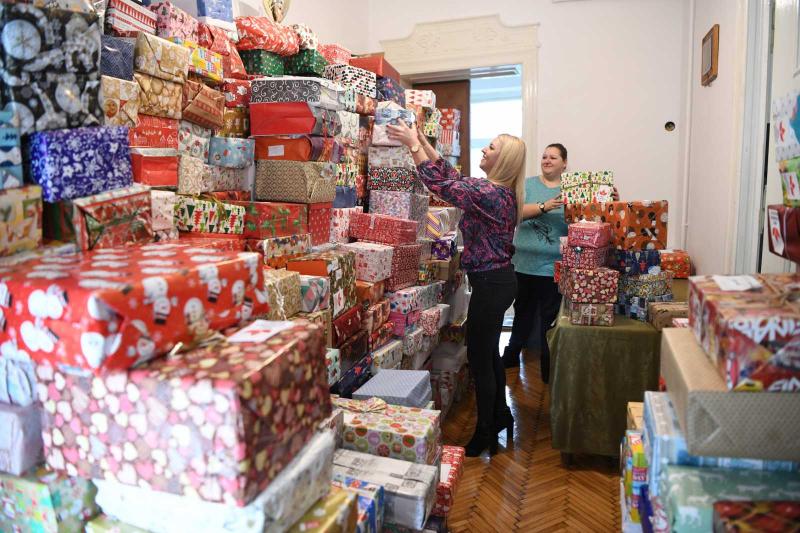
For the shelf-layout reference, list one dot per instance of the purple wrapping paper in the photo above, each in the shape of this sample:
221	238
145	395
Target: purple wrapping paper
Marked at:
444	248
21	438
80	162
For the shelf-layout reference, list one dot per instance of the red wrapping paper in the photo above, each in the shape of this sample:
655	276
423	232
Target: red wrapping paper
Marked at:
216	241
216	40
406	257
237	92
346	325
383	229
784	231
154	132
260	33
381	336
589	234
263	220
335	54
593	286
110	309
402	280
155	170
230	196
375	316
319	222
580	257
288	118
377	64
676	261
401	321
452	468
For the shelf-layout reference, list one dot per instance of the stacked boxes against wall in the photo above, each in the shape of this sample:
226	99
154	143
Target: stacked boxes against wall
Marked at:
191	290
783	220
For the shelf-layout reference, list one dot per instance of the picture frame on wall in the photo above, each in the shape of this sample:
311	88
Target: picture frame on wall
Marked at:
709	56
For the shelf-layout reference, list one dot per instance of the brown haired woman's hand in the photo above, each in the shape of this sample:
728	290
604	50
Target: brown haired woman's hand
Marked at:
615	195
402	133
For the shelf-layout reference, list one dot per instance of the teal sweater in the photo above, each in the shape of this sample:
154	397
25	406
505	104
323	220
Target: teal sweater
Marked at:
537	240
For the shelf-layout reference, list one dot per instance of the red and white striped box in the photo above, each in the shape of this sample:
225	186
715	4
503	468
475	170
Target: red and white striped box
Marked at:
125	18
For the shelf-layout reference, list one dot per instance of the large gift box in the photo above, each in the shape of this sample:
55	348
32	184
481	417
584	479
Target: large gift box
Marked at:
202	105
277	251
409	388
345	326
262	63
80	162
376	63
314	293
316	92
362	81
586	187
283	293
676	261
261	395
43	500
294	490
306	63
378	428
293	181
260	33
161	58
159	97
231	152
339	267
292	118
336	512
265	220
21	227
114	218
155	166
298	148
370	502
593	286
383	229
120	101
112	308
174	22
410	489
640	225
451	470
373	261
208	216
193	140
21	440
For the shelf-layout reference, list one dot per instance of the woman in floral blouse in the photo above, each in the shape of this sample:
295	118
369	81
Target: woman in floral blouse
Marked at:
492	209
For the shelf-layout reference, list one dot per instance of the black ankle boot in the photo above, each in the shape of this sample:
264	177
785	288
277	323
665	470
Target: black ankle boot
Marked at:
480	441
505	422
510	357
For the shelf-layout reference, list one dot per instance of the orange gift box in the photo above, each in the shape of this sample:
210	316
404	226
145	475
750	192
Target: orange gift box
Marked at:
639	225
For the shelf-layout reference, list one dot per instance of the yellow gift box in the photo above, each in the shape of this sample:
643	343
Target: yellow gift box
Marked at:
202	61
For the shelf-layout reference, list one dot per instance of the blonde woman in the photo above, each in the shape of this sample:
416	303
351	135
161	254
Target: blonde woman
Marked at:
492	209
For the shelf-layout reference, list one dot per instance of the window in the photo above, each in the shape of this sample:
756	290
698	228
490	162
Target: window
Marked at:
495	108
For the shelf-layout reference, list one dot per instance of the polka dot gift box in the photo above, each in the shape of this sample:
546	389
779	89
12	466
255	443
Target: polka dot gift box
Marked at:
217	423
639	225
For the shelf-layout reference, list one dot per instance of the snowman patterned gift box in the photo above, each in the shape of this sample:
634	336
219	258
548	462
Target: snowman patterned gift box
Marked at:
113	308
217	423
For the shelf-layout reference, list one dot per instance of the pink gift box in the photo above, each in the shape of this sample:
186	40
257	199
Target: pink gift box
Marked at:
373	261
589	234
406	205
429	320
581	257
403	321
174	22
340	223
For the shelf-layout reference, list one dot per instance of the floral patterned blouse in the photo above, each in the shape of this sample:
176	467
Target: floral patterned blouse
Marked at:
490	214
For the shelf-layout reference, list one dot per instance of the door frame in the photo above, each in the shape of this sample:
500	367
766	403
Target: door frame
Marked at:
464	44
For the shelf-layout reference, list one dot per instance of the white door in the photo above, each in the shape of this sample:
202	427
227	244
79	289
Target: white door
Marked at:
785	78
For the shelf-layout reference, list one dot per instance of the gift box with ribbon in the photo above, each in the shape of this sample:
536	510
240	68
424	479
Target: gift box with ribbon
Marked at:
171	21
260	33
590	314
339	267
639	225
277	251
383	229
161	58
373	261
208	216
283	293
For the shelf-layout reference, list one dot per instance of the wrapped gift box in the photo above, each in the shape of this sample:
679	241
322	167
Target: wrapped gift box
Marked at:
444	248
126	18
339	267
120	101
306	63
439	221
585	187
193	140
335	54
383	229
418	298
316	92
237	92
203	62
53	100
229	196
429	320
298	148
451	470
375	315
155	166
412	342
115	218
640	225
376	63
380	337
307	39
646	285
234	182
352	351
389	89
159	97
161	58
347	325
217	12
43	500
267	220
150	328
346	174
402	280
242	376
283	293
373	261
260	33
235	123
394	179
202	105
292	118
403	323
293	181
362	81
172	21
370	503
231	152
589	234
21	228
336	512
689	493
408	388
365	107
350	126
789	182
323	319
749	515
579	257
389	356
11	174
277	251
677	262
661	314
208	216
581	285
389	113
636	262
405	205
391	157
319	222
346	198
80	162
194	176
422	98
783	113
295	489
369	293
155	132
314	293
162	208
410	489
431	126
262	63
355	377
21	441
333	360
17	377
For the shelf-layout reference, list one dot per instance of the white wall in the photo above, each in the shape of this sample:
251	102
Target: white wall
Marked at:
610	77
715	145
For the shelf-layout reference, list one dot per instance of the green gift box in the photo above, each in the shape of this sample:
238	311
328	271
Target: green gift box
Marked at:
306	63
208	216
46	501
262	62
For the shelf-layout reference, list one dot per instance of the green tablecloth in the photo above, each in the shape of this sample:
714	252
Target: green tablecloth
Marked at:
595	371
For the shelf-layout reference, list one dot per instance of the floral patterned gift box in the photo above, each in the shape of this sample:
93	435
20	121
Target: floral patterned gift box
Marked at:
46	501
306	37
238	413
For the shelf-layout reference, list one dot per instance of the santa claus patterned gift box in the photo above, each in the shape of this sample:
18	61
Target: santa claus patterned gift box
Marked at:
206	216
451	470
589	234
260	33
346	325
582	285
246	388
131	304
580	257
120	101
294	181
283	293
340	268
640	225
382	229
373	261
375	316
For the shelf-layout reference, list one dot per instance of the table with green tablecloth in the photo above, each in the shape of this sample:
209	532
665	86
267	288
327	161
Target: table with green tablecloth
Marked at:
595	371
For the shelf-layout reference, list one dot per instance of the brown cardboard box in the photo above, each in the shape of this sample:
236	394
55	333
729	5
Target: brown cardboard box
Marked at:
721	423
636	416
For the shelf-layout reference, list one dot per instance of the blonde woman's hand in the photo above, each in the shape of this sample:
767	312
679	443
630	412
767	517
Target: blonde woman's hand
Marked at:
402	133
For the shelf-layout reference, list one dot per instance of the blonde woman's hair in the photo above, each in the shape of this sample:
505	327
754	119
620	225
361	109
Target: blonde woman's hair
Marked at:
509	169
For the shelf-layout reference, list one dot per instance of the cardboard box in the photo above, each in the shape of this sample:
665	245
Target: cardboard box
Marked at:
636	415
717	422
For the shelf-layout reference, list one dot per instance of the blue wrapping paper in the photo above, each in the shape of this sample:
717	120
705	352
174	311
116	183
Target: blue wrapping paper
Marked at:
10	152
390	89
80	162
353	378
636	262
216	9
231	152
345	197
116	59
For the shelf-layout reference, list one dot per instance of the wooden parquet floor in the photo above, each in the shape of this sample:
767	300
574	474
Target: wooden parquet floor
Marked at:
525	487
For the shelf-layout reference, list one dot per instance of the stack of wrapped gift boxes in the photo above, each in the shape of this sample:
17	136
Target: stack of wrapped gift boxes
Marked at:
724	431
784	219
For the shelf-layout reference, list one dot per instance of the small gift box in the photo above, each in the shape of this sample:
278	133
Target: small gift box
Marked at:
335	54
161	58
636	262
380	336
451	470
676	261
116	58
581	285
306	63
265	220
389	89
336	512
203	105
155	166
409	388
126	18
362	81
369	293
579	257
277	251
585	187
373	261
283	293
346	326
260	33
293	181
193	140
202	61
262	63
157	97
339	267
194	176
661	314
162	208
207	216
645	285
589	234
21	444
375	316
172	21
231	152
387	113
315	293
383	229
237	92
590	314
80	162
422	98
334	364
403	323
444	248
640	225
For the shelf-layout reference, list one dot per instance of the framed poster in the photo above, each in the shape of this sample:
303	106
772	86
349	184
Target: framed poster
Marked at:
710	56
